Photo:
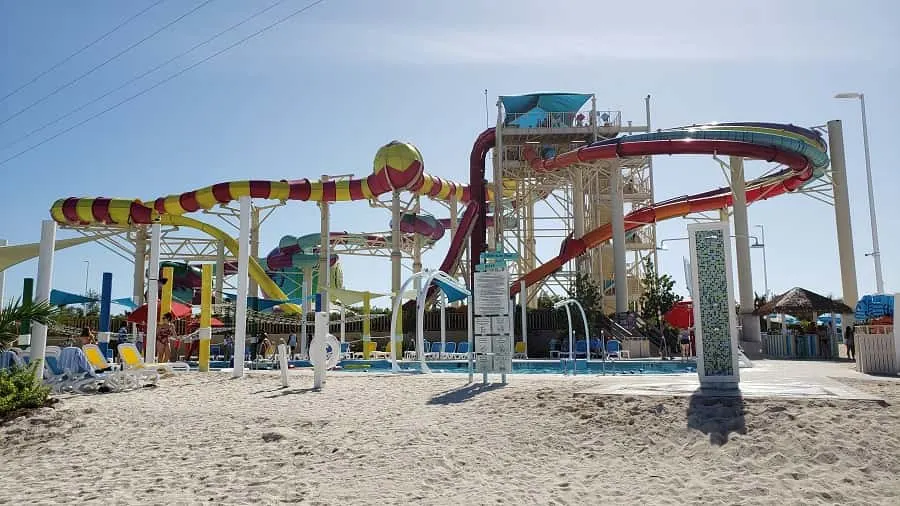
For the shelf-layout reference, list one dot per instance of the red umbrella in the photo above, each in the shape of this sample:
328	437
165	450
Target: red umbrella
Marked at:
179	310
681	315
195	324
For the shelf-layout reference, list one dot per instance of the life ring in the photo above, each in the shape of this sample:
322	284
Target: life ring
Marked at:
330	352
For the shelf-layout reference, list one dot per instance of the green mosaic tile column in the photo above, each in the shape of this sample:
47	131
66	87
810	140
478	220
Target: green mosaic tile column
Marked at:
714	316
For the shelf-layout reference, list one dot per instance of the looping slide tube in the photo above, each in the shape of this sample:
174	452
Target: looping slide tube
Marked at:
397	166
800	149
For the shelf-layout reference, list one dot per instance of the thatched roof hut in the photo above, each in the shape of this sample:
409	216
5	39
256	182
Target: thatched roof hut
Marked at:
801	300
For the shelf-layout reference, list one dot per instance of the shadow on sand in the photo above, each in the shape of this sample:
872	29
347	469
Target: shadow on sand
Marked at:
717	413
282	391
464	394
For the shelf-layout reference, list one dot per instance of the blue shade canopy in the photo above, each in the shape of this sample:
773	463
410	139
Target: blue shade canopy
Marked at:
530	111
452	289
549	102
61	298
125	302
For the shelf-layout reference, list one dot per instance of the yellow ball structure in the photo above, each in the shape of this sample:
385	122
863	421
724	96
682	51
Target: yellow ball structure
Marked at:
401	163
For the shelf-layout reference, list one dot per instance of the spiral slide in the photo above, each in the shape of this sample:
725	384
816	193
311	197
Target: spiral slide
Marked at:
802	151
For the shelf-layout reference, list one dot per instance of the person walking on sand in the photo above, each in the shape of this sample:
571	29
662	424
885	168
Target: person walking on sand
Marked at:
292	344
164	334
850	342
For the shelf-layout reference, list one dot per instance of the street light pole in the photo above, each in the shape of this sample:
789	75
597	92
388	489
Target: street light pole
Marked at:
876	252
762	235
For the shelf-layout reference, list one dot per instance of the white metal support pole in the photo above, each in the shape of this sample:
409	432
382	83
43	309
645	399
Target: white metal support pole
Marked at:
240	305
523	302
343	325
571	340
396	255
307	309
470	331
283	363
749	321
498	179
253	287
846	255
319	351
876	251
152	293
325	253
442	300
578	212
762	238
617	217
220	273
2	279
140	259
417	248
42	291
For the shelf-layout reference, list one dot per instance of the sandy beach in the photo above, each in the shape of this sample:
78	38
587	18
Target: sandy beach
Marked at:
368	439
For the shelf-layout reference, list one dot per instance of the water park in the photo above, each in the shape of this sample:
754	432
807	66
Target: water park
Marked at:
563	171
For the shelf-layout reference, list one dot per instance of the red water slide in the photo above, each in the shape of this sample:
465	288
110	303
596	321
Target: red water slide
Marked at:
799	171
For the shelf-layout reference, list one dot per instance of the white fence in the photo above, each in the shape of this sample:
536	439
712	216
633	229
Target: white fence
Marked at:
877	350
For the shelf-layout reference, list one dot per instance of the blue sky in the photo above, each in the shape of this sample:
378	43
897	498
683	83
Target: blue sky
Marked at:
320	93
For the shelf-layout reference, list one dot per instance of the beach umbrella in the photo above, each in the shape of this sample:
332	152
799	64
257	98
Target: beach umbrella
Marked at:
826	319
681	315
783	318
179	310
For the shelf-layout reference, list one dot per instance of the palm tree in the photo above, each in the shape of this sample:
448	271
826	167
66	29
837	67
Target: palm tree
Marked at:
12	316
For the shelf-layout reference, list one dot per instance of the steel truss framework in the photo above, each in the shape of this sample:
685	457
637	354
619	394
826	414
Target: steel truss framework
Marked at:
540	211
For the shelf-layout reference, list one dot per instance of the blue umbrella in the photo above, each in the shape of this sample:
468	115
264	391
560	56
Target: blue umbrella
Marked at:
825	319
788	319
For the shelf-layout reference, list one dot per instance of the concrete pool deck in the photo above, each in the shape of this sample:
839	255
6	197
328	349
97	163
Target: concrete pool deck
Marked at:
766	379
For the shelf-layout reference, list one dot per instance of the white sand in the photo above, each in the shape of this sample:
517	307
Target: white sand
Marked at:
399	440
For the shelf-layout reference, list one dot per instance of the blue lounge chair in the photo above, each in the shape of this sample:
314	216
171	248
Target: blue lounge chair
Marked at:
581	348
462	351
450	350
613	349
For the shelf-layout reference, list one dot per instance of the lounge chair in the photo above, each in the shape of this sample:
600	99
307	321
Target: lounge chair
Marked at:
85	379
596	348
54	375
346	354
9	359
130	378
554	348
132	359
614	349
434	351
386	354
462	351
581	348
449	350
519	351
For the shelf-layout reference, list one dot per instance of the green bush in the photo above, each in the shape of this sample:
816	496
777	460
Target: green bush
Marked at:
19	390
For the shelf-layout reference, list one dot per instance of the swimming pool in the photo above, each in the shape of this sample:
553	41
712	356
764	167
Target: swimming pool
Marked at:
519	366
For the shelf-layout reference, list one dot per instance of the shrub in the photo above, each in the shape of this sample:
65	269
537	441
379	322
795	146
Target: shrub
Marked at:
19	390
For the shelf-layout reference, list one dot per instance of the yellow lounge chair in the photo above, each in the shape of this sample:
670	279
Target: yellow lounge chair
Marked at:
124	380
132	360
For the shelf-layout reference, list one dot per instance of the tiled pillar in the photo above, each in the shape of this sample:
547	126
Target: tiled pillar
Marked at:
714	311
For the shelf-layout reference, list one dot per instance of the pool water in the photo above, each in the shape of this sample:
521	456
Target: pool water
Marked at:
519	366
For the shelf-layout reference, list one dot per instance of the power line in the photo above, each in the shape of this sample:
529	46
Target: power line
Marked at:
173	76
101	65
83	49
148	72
